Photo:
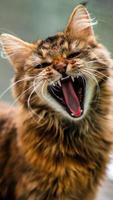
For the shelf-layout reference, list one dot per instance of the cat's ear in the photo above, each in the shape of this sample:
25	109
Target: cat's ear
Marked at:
80	25
15	50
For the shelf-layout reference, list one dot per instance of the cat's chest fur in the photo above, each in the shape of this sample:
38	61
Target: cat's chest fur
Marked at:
46	160
60	164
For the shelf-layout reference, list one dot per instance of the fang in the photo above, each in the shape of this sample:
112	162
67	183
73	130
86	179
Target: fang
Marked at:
72	78
59	83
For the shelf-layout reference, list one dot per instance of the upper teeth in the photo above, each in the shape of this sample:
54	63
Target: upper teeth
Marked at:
53	84
59	83
72	78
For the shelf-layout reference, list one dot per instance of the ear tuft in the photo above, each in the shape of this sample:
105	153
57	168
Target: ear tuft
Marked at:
15	49
80	25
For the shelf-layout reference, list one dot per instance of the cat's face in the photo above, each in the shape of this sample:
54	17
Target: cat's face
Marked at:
63	71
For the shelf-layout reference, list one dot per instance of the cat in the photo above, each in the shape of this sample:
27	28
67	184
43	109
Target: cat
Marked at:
55	144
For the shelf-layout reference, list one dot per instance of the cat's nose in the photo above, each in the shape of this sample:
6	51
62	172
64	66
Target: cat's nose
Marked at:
61	67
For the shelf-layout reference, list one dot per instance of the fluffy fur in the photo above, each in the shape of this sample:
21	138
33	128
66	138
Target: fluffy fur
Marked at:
45	154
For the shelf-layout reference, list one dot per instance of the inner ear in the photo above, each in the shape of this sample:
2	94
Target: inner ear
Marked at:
80	25
15	50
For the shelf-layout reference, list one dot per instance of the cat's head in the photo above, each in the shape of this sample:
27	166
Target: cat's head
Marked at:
63	72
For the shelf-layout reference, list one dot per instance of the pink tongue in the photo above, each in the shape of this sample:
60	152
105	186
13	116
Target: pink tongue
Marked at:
71	98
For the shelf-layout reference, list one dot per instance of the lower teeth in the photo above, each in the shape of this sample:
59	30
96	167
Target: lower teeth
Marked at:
72	114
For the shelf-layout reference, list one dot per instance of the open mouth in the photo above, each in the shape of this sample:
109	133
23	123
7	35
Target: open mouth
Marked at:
70	93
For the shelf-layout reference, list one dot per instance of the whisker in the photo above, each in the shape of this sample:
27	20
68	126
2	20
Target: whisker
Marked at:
100	61
38	82
15	101
29	98
13	84
20	80
95	61
97	72
43	87
29	105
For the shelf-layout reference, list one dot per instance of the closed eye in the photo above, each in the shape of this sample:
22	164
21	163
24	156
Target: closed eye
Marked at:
74	54
43	65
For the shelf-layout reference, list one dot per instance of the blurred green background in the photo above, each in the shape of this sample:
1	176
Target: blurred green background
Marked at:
32	19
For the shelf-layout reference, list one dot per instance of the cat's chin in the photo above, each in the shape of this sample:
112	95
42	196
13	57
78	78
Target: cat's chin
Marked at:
71	97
